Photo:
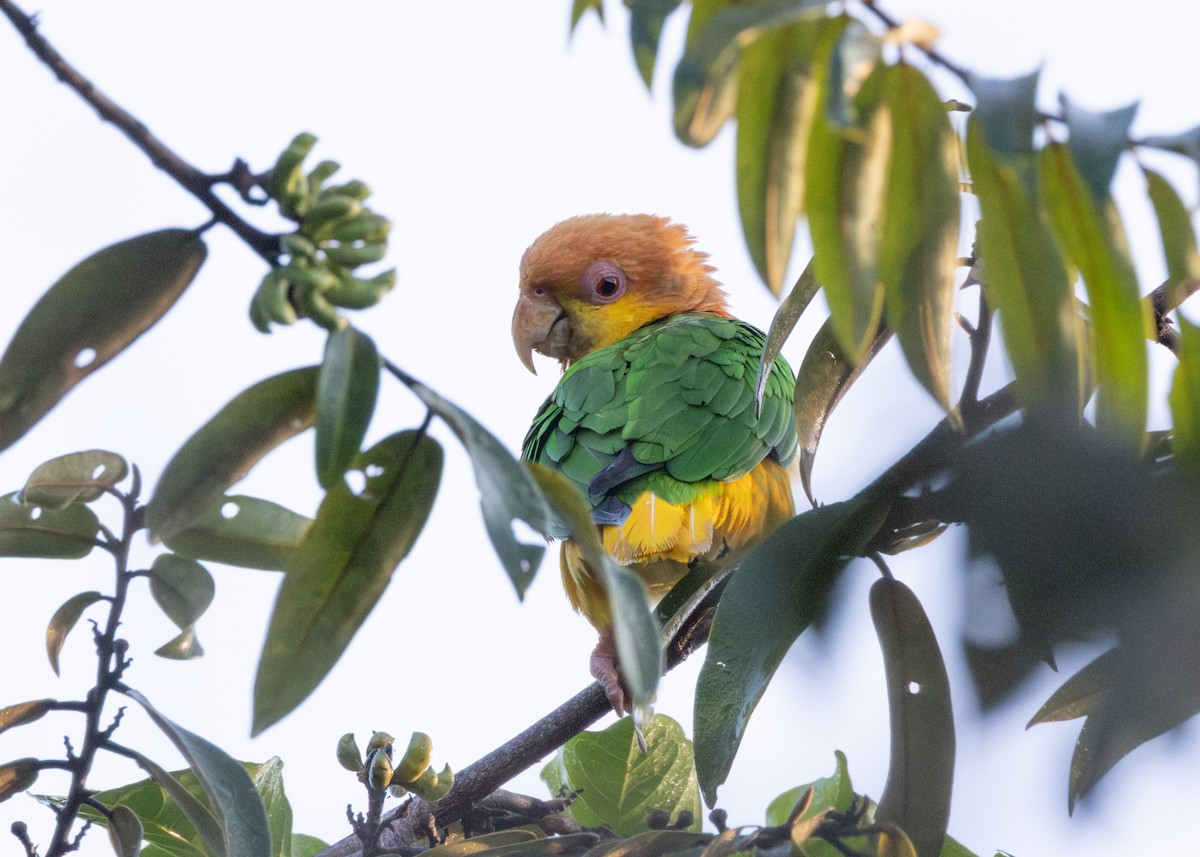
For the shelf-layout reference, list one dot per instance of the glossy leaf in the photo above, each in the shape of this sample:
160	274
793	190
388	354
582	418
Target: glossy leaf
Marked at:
636	632
916	797
1092	236
845	195
646	18
621	785
182	587
1178	238
705	84
17	776
835	791
776	102
125	831
343	566
1185	400
919	245
243	531
1096	141
773	595
31	531
507	491
823	378
234	802
76	477
1006	112
1025	279
24	712
92	314
225	448
63	620
347	386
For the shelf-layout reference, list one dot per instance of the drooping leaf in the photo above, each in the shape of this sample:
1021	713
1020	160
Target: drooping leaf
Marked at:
845	196
823	378
32	531
638	648
1081	694
232	798
342	568
64	620
782	325
1092	235
1185	400
507	491
1006	112
1178	238
621	785
224	449
125	831
773	596
347	386
93	313
184	646
182	587
646	18
17	776
776	102
243	531
919	245
579	8
916	797
1096	142
834	791
705	84
24	712
76	477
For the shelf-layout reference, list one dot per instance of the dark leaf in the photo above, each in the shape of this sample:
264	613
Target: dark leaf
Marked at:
347	386
243	531
916	797
772	597
646	19
1185	400
92	314
225	448
17	776
64	620
31	531
125	831
1096	142
183	588
1006	112
76	477
343	566
782	325
182	647
1082	693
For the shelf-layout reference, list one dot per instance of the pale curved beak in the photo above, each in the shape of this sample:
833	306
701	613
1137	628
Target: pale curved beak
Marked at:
539	324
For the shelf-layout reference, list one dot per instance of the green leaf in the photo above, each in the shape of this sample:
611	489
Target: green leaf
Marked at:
225	448
31	531
646	19
125	831
93	313
705	84
823	378
243	531
347	386
304	845
1092	236
1096	142
1185	400
64	620
76	477
182	647
782	325
344	564
579	8
835	791
916	796
919	245
1006	113
182	587
483	842
621	785
24	712
17	776
1025	279
235	803
776	102
507	491
636	632
1178	238
773	595
845	196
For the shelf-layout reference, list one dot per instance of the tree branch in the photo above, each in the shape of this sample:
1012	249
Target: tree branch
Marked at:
188	177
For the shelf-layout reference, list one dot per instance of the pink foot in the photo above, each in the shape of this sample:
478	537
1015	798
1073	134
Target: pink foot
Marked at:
604	670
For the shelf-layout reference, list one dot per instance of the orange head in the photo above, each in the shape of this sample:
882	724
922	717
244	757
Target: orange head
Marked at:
592	280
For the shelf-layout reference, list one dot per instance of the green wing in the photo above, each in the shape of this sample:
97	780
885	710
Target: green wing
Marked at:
672	406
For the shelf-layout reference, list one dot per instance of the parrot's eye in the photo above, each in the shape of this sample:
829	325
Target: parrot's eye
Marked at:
604	282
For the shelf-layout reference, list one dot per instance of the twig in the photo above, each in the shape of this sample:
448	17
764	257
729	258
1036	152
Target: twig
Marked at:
980	336
189	178
933	54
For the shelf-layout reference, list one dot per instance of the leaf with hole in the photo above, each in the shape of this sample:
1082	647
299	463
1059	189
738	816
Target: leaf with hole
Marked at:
225	448
244	531
92	314
347	386
342	568
64	620
78	477
32	531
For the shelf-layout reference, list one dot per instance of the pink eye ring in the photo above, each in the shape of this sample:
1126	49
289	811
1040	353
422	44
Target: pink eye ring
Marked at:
603	282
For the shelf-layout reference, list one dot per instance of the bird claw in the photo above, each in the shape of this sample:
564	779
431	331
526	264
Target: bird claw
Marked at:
604	669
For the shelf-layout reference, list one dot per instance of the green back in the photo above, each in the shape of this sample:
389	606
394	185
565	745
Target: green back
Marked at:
679	396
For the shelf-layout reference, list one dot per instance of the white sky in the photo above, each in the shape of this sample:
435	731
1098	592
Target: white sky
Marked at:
478	126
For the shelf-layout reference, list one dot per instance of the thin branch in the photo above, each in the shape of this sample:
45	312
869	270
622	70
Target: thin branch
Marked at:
933	54
981	337
192	180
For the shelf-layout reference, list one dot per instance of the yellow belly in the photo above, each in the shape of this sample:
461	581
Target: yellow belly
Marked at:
659	539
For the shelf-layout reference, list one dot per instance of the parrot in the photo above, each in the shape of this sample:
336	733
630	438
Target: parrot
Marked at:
654	418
